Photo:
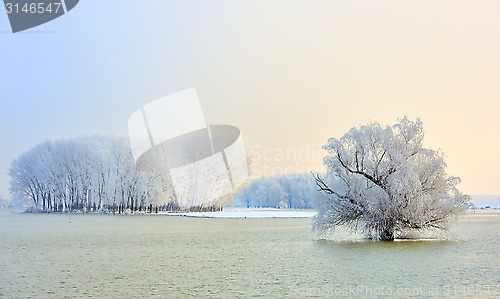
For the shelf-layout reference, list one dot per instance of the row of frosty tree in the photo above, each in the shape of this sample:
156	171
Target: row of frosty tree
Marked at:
291	191
87	174
98	173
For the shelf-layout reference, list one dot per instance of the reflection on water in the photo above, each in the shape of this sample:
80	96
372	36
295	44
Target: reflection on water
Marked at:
165	256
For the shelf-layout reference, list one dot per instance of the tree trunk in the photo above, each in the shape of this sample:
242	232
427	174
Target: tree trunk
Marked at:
387	235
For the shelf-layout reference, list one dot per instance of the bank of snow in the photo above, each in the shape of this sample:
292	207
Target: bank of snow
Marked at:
251	213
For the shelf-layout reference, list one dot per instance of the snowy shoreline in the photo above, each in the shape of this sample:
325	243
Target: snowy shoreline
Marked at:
247	213
240	213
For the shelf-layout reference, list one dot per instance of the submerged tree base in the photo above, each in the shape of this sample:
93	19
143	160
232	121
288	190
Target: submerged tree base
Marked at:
346	234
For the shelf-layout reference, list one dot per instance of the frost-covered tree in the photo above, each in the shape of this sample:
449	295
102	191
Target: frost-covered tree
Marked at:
382	181
94	174
294	191
85	174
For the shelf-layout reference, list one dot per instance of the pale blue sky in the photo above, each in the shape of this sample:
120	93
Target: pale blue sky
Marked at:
289	74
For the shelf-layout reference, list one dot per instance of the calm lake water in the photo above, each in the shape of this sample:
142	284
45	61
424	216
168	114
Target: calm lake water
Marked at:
104	256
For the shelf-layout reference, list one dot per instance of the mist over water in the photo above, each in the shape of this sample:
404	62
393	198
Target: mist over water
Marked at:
56	255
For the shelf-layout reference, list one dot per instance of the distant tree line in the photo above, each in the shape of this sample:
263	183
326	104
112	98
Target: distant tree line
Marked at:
291	191
92	174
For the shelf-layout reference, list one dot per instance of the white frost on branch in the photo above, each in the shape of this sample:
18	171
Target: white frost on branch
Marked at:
383	182
85	174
